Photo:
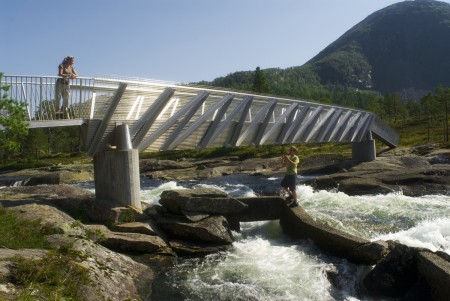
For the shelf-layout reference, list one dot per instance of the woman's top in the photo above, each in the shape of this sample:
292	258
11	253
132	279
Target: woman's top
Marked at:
291	168
66	70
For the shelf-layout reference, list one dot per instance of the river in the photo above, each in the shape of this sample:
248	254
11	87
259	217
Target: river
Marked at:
266	265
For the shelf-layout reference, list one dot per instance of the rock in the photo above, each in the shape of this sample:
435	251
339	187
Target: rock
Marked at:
146	227
128	242
111	213
203	169
212	229
324	164
49	216
436	272
8	290
371	252
393	275
149	165
361	186
202	200
191	193
188	248
194	216
410	174
60	195
31	254
113	276
155	212
48	175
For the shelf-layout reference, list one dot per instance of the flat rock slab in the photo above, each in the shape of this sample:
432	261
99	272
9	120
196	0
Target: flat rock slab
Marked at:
208	201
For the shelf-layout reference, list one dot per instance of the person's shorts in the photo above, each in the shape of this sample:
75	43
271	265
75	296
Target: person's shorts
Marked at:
289	181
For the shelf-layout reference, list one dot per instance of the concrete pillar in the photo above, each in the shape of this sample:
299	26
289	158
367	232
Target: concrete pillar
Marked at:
364	151
116	172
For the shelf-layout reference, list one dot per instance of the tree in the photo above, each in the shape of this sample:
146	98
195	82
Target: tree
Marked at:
430	108
393	106
443	95
12	123
260	83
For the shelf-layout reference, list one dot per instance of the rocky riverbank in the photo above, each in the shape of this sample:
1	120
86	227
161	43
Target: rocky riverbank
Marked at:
124	249
412	171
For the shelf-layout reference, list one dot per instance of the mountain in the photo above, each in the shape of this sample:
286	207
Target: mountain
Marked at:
403	48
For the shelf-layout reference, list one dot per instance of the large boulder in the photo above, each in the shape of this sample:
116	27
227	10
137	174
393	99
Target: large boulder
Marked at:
49	216
114	276
394	275
202	200
435	269
213	229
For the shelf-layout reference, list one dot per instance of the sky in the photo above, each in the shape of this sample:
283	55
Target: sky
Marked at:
180	41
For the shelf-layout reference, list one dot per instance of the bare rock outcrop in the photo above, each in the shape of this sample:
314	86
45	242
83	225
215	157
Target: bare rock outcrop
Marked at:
411	174
209	201
113	276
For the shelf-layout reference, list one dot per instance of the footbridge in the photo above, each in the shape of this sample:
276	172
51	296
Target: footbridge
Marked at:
165	116
122	117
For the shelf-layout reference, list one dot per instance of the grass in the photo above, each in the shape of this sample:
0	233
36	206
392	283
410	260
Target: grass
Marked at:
57	276
18	234
24	161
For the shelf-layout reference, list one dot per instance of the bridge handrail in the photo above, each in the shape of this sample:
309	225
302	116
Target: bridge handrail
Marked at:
38	93
91	97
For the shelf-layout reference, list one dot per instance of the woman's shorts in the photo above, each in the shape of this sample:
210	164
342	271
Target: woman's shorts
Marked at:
289	181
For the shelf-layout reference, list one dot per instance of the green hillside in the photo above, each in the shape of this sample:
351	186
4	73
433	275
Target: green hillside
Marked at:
403	49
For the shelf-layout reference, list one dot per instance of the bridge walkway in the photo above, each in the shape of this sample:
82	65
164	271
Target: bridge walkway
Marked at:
166	116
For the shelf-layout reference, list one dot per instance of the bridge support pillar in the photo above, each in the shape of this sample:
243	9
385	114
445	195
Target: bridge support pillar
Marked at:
116	172
364	151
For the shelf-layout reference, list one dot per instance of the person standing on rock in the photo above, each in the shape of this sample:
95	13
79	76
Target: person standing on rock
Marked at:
289	181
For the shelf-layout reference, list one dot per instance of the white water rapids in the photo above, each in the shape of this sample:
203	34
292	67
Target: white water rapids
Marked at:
266	265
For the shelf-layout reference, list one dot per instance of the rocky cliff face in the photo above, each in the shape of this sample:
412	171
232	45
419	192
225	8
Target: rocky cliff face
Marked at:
401	47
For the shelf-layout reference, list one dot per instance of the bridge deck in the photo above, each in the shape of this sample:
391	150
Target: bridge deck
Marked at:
164	116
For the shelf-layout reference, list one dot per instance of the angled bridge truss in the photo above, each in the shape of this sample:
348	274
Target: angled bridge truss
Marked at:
166	116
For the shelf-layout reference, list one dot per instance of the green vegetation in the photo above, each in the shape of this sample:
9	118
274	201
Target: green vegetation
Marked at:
260	83
12	118
45	160
17	234
57	276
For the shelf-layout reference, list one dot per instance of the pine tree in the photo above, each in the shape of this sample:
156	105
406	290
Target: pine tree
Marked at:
259	84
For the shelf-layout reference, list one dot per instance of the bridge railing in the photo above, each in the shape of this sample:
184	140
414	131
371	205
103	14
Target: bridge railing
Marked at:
38	93
174	116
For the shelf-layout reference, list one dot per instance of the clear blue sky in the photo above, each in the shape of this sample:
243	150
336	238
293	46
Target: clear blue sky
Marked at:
174	40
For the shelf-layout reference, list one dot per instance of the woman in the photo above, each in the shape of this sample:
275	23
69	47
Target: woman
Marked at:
289	181
66	71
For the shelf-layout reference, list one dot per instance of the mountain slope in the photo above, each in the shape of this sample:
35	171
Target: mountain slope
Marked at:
403	48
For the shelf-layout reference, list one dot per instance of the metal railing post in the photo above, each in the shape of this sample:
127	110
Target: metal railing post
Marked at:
41	113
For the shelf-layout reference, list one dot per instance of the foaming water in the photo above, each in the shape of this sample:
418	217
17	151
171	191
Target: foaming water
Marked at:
431	234
151	195
262	265
415	221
